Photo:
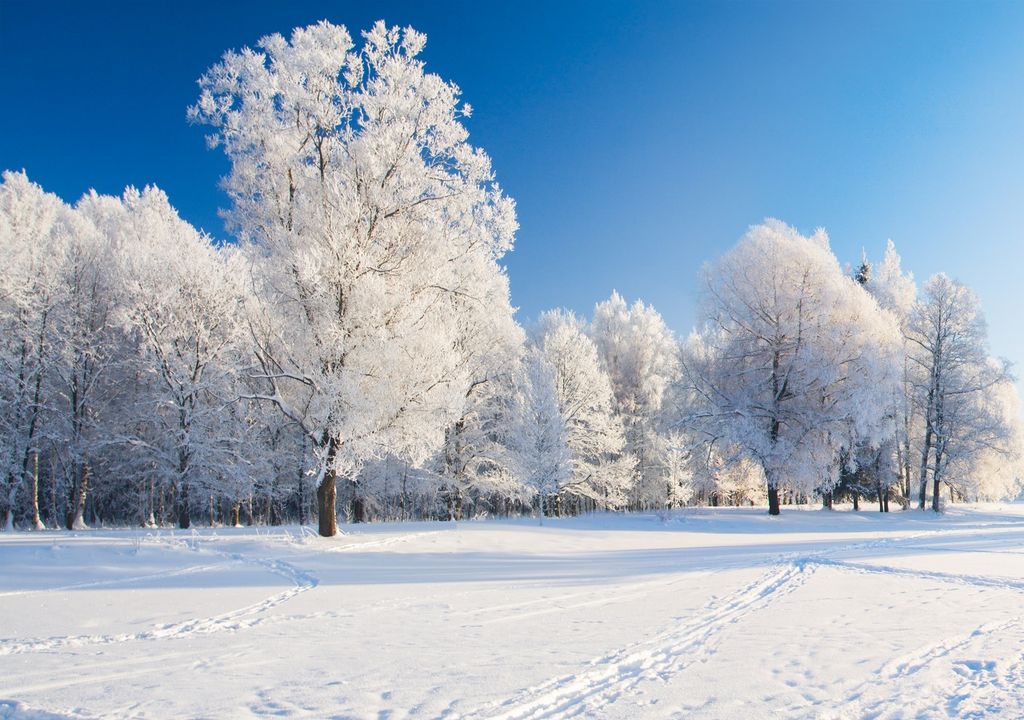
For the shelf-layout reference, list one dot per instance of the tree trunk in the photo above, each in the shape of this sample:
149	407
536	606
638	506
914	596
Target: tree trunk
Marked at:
929	430
773	499
151	519
37	521
234	515
75	519
856	502
184	518
936	479
327	493
326	499
358	505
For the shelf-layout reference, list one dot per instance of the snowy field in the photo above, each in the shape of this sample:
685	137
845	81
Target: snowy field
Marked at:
708	614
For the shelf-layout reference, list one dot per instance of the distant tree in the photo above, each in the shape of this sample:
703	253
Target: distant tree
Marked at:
954	378
87	360
184	301
796	362
602	473
896	292
641	356
34	227
539	437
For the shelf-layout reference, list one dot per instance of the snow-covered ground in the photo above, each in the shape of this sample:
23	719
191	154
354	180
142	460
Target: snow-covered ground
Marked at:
708	614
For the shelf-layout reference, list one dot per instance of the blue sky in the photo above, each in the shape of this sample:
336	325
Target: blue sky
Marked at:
639	139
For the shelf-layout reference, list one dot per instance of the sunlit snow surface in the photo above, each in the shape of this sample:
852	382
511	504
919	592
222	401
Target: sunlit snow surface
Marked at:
706	614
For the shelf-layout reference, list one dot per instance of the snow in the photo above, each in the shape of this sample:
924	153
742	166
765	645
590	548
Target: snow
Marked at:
709	613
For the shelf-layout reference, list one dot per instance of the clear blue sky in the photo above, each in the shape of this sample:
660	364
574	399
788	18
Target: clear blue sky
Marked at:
639	139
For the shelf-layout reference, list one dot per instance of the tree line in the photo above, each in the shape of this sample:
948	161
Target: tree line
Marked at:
356	339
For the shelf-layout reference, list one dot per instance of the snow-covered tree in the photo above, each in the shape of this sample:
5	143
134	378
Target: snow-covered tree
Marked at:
539	438
641	356
34	227
896	292
87	358
183	301
375	230
602	473
954	380
474	461
795	362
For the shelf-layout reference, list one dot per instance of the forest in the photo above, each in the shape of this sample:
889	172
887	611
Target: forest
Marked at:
349	351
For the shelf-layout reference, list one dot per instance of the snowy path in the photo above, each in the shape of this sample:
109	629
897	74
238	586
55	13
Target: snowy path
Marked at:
713	614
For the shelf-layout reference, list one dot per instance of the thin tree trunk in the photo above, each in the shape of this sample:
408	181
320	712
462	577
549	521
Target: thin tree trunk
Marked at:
37	522
76	513
936	480
358	504
926	449
151	520
184	518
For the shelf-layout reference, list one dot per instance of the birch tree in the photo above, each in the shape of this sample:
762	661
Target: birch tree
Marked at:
954	376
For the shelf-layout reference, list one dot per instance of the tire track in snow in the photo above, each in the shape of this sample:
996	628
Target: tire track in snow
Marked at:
658	658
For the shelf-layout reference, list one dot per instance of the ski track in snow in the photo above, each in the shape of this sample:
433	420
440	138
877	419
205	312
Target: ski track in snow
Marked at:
968	686
118	581
668	653
981	581
658	658
375	544
988	693
232	620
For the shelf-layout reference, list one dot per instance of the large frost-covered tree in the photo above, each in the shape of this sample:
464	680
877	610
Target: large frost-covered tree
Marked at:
375	230
796	360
